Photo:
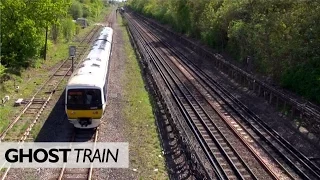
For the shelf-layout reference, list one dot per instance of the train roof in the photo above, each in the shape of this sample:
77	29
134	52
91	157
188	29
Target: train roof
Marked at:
106	33
93	69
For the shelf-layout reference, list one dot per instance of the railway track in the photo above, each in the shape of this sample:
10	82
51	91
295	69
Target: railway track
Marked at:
245	120
111	18
223	107
80	135
223	156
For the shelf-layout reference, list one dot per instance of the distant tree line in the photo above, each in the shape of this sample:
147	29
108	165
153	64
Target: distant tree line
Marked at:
281	36
24	23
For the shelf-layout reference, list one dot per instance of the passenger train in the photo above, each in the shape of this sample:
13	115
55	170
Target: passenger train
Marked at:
86	91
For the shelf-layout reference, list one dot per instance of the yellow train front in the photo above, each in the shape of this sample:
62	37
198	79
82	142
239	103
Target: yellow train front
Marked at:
86	91
85	107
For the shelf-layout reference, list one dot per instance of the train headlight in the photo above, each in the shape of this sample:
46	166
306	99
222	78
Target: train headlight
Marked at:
95	112
72	112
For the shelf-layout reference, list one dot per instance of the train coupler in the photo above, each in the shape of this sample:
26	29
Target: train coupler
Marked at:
85	122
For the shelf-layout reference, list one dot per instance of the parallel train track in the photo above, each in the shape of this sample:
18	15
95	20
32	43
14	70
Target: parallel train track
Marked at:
221	154
245	119
233	112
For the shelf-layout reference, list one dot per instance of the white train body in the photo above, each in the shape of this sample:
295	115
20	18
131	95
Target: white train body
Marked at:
86	91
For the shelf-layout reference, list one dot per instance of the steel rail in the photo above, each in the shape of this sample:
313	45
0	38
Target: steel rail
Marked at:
222	116
90	169
201	82
211	120
208	117
198	137
185	138
299	156
284	144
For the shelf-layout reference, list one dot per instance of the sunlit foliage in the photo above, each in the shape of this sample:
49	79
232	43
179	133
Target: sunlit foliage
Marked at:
24	23
281	36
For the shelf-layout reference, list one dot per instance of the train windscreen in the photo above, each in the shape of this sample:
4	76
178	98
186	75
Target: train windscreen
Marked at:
84	99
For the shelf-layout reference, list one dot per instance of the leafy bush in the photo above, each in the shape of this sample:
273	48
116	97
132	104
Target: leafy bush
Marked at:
76	10
68	28
2	70
86	11
304	79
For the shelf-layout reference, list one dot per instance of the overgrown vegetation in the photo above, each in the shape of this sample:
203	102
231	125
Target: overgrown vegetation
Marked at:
282	37
24	24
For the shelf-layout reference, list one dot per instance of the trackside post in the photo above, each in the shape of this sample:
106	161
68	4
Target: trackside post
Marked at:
72	54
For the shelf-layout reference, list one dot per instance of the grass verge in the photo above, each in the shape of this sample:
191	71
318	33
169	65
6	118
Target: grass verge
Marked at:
144	144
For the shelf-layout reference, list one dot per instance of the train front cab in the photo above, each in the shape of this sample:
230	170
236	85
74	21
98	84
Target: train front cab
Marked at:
85	107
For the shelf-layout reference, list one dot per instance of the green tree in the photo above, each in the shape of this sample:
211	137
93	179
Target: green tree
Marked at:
23	26
19	34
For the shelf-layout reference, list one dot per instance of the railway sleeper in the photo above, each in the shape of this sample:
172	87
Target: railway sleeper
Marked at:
73	178
75	171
